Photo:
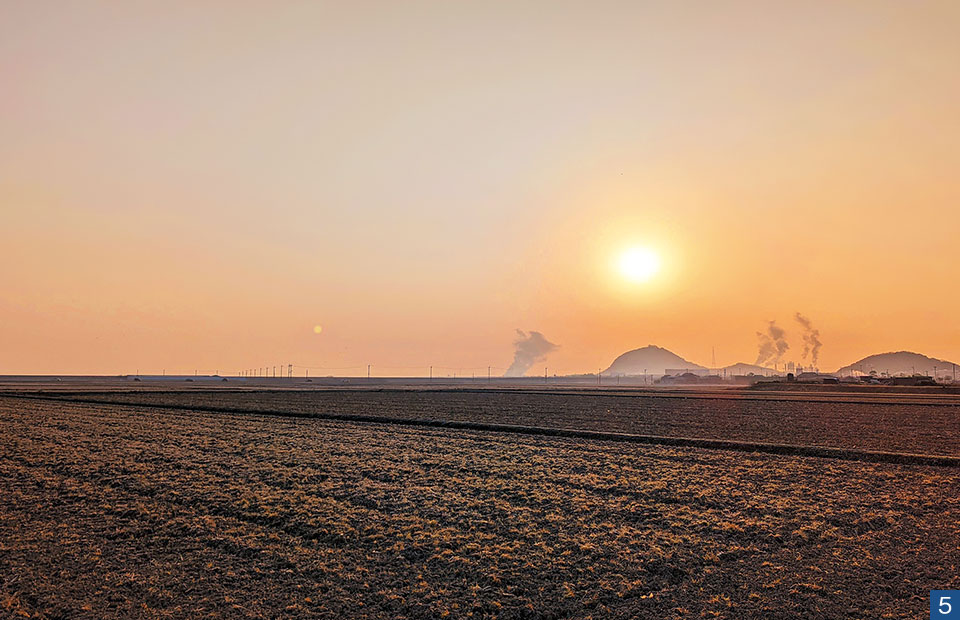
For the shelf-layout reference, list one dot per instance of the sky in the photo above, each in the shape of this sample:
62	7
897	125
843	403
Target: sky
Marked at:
195	186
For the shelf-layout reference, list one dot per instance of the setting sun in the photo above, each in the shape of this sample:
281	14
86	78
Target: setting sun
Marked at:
639	264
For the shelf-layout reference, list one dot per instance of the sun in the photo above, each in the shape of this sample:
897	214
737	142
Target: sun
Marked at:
639	264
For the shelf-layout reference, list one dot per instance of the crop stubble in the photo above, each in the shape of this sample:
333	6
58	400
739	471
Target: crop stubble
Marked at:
119	511
880	426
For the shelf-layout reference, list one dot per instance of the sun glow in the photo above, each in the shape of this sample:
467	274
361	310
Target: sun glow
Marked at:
639	264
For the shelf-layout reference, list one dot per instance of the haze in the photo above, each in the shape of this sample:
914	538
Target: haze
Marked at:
193	186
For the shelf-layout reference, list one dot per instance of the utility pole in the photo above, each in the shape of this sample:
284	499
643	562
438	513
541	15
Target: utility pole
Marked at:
431	373
598	377
544	374
488	374
368	371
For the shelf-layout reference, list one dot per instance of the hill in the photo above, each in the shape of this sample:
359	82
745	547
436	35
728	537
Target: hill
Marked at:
899	363
651	359
741	368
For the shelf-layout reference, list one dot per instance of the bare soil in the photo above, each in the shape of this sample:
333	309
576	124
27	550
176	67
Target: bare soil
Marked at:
119	511
881	423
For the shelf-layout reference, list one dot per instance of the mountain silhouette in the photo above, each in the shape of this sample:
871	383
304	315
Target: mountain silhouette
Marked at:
899	363
742	368
651	359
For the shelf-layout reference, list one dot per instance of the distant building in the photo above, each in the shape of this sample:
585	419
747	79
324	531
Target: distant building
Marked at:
684	378
699	372
816	377
916	380
745	370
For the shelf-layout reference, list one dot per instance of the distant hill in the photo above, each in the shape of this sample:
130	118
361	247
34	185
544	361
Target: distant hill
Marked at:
652	359
741	368
899	363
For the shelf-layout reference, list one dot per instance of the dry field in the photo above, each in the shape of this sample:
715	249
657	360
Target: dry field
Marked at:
122	511
881	423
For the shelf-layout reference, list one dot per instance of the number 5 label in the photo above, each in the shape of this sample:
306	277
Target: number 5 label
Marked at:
945	605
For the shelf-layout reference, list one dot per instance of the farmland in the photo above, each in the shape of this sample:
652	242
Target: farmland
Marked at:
130	511
890	423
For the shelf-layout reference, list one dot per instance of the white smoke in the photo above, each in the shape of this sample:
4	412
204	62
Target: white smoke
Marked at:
528	350
811	339
772	345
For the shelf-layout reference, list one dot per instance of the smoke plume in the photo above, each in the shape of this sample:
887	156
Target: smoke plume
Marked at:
811	339
528	350
772	345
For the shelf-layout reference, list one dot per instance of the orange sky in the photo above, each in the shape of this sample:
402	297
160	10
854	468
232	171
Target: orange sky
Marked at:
193	185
